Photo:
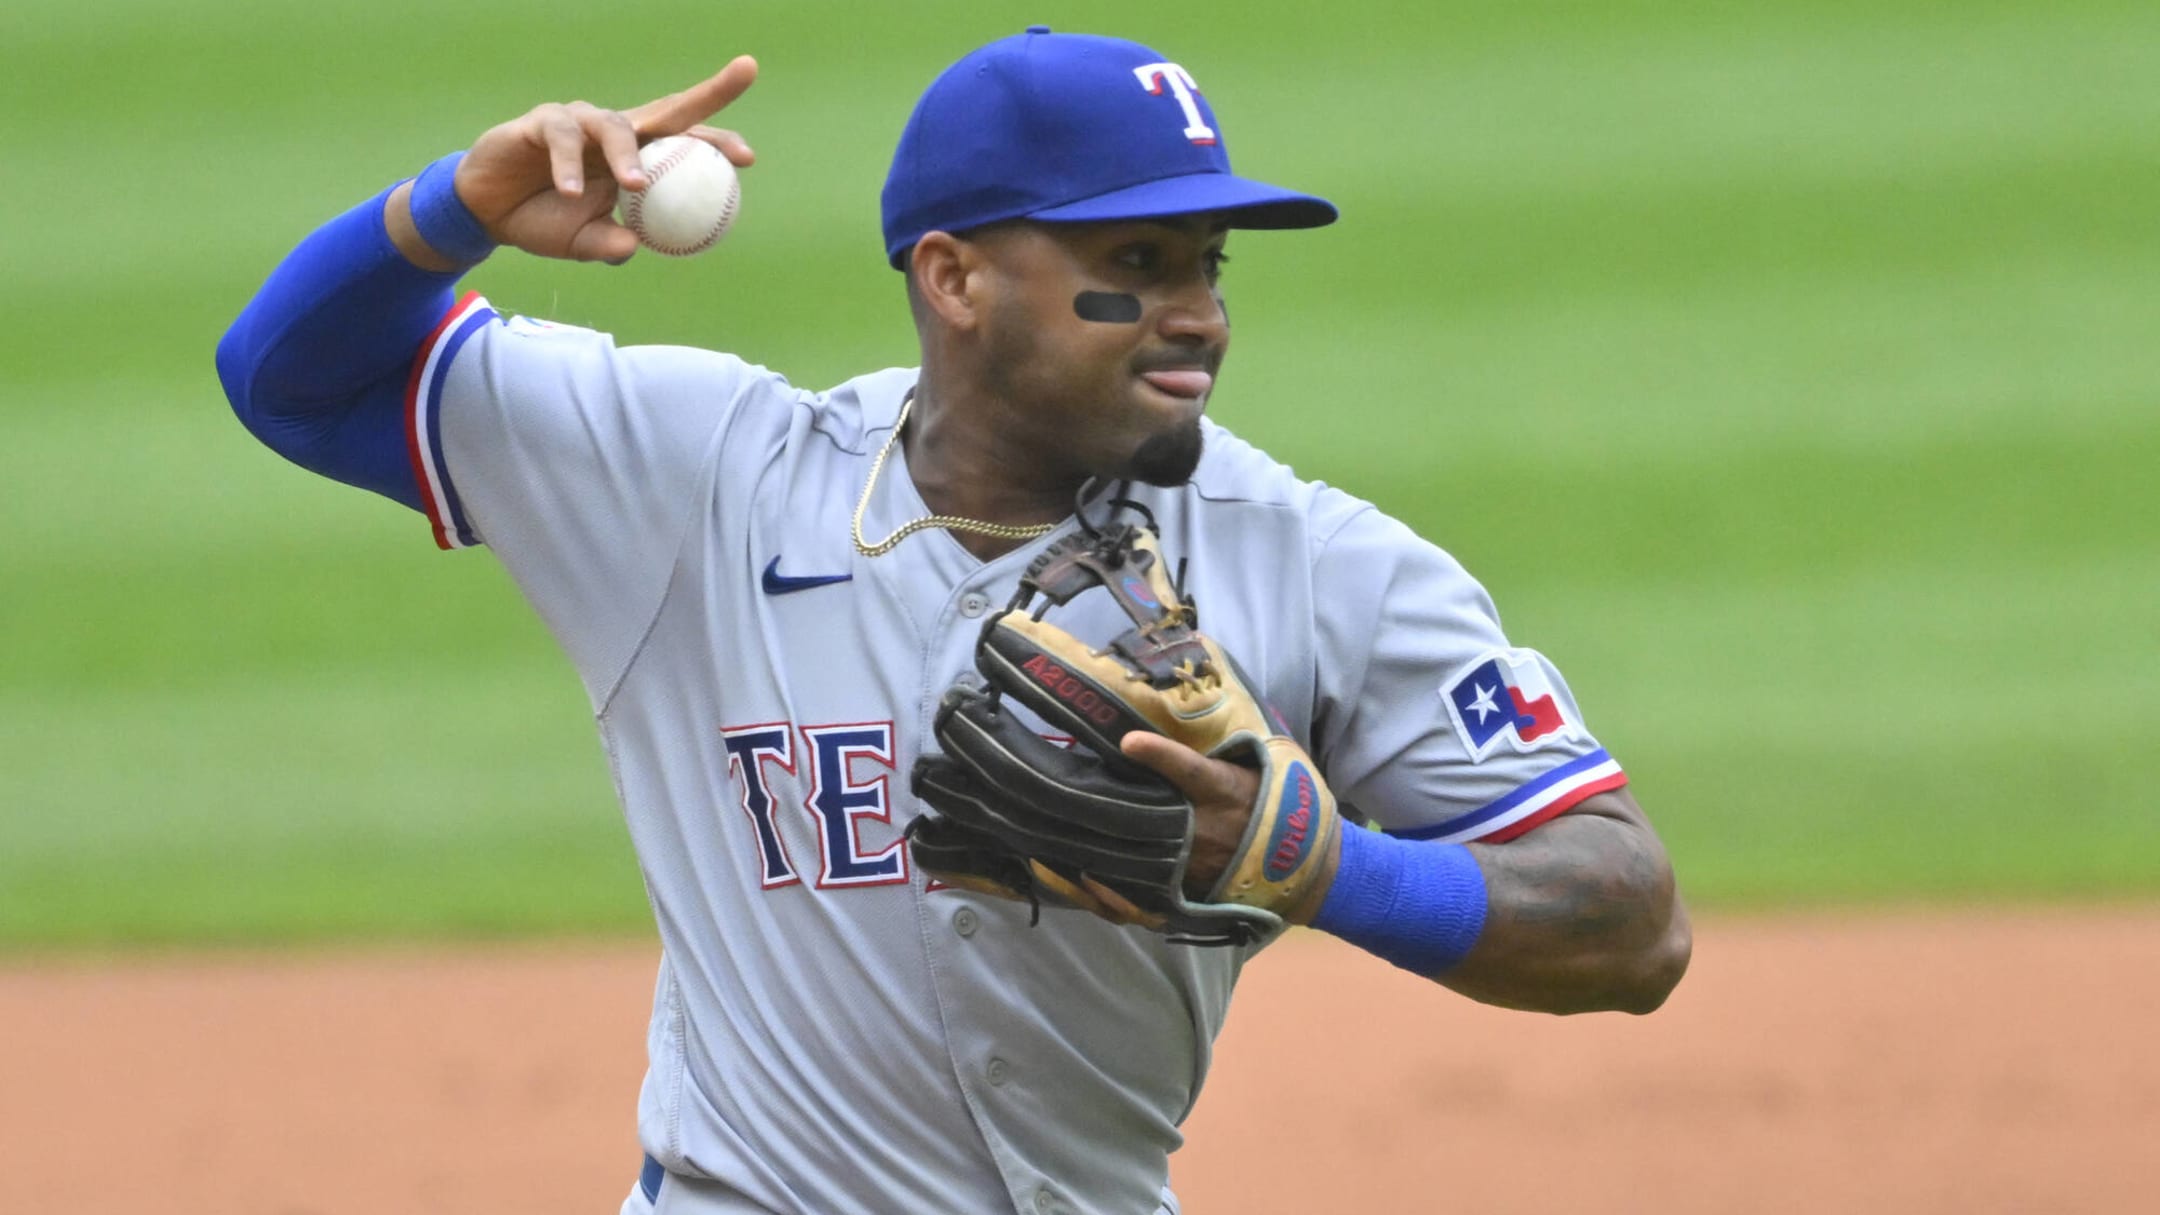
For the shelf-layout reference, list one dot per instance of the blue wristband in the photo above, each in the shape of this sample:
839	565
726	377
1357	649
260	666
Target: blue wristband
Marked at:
1419	904
441	217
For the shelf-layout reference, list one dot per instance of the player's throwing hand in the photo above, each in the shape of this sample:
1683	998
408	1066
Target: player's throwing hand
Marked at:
546	181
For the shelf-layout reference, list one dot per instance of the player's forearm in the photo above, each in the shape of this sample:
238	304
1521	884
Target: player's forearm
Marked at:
316	364
341	311
1582	916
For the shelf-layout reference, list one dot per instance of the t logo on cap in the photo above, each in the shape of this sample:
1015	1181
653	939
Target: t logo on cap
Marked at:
1049	128
1153	76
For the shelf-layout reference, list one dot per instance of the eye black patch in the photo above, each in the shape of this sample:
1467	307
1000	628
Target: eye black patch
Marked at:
1108	307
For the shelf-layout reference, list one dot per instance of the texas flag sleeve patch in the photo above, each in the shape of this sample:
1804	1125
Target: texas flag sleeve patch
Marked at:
1504	697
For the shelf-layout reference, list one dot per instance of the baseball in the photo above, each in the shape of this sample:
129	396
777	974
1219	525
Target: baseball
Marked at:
690	197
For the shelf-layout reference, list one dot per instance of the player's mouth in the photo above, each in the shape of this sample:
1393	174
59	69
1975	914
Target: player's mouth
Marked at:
1187	375
1190	385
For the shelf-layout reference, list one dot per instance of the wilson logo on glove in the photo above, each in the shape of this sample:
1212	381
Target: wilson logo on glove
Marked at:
1293	826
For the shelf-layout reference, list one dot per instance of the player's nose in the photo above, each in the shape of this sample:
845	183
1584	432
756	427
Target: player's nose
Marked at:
1196	317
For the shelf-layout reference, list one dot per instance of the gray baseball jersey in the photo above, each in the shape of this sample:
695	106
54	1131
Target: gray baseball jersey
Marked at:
832	1033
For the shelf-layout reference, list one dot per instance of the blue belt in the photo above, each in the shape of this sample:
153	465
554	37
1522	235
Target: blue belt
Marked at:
648	1179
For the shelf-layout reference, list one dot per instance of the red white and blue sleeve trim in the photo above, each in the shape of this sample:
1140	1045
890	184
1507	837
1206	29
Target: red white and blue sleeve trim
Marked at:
1531	803
423	419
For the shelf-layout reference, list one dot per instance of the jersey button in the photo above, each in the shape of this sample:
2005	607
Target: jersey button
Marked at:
965	921
974	604
1045	1201
997	1071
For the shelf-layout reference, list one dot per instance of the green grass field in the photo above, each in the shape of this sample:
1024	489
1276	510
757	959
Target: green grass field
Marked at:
1817	347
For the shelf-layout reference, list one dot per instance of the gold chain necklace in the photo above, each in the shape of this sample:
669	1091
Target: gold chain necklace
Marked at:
955	523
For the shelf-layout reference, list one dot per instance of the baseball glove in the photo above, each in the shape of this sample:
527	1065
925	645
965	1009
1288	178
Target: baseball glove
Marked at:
1016	815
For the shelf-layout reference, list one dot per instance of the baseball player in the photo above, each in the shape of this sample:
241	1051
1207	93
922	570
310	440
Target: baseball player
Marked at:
886	982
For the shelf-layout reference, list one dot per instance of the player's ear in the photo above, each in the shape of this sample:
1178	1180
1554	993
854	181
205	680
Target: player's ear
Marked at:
944	278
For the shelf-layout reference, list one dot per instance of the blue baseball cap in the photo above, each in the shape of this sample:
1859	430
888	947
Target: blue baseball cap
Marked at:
1069	128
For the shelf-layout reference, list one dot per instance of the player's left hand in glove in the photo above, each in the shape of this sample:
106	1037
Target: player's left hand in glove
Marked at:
1018	816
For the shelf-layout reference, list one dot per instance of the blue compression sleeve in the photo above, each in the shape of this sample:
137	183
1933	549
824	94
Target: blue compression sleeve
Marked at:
316	365
1419	904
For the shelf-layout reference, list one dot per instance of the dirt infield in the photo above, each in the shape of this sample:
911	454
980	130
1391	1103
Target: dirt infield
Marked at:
1915	1063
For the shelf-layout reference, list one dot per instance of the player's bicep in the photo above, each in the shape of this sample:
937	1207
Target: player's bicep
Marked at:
359	440
1437	728
540	432
582	465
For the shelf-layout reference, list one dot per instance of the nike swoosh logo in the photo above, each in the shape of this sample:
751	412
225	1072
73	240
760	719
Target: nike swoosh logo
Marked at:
777	583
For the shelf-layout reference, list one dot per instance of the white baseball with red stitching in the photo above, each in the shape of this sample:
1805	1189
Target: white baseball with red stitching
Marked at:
690	197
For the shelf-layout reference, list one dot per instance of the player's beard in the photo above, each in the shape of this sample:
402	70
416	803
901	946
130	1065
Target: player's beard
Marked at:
1013	370
1168	459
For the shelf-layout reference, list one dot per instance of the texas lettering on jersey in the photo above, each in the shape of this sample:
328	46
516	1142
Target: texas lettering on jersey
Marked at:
836	801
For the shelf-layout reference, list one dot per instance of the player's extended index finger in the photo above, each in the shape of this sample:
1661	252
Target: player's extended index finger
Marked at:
678	112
